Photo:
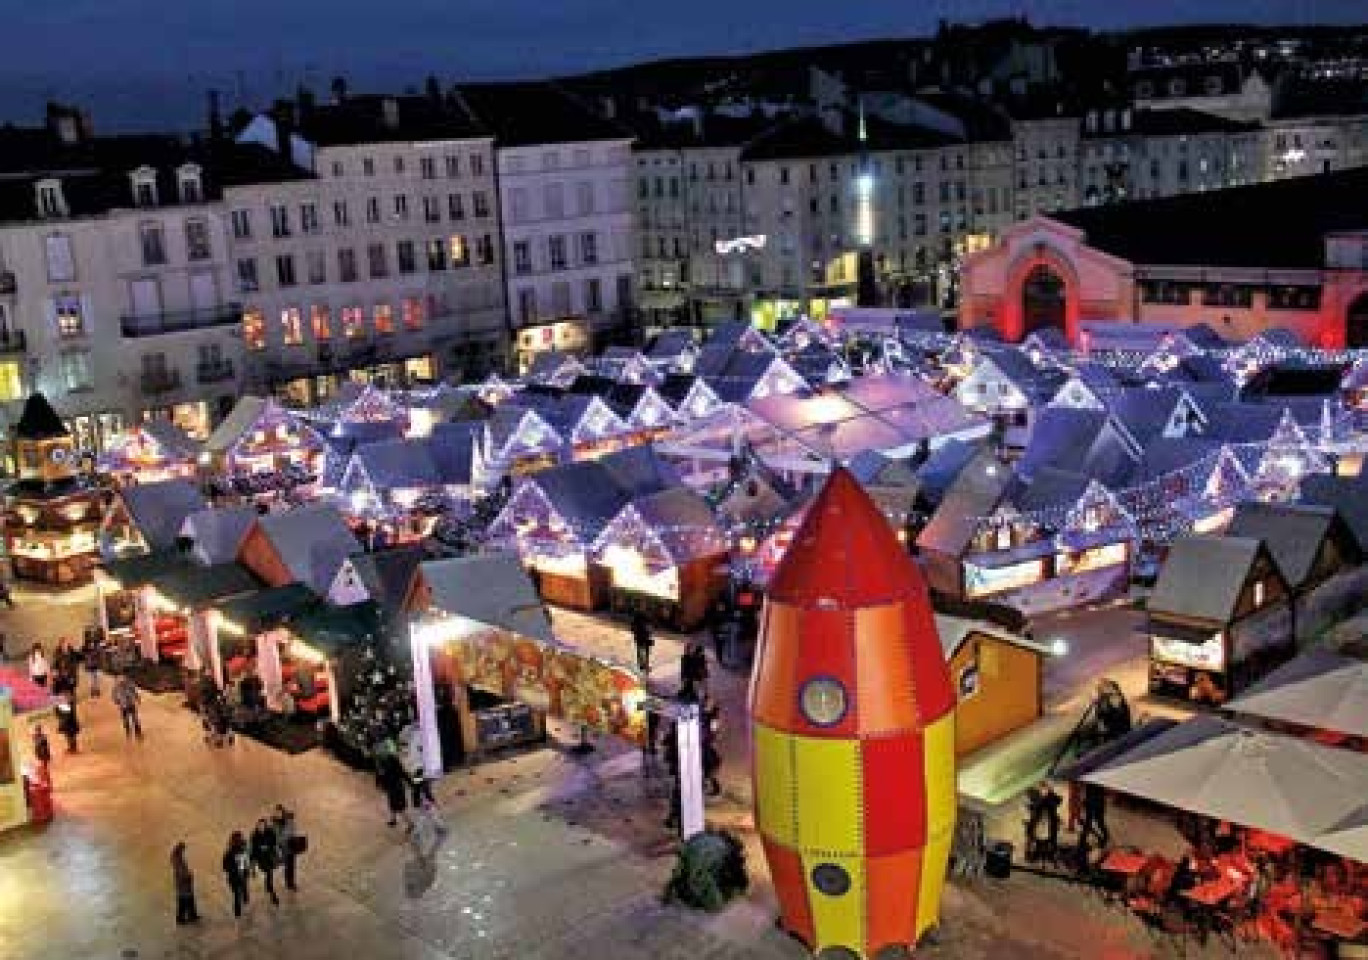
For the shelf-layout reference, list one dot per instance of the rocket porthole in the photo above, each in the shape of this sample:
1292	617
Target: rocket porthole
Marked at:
823	701
830	879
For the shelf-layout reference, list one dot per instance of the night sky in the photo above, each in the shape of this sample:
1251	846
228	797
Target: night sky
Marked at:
147	62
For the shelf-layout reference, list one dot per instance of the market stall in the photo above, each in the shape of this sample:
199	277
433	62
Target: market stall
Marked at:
262	450
158	629
147	517
149	452
250	635
519	442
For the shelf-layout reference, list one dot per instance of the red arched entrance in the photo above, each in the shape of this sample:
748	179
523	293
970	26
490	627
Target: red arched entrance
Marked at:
1356	323
1042	300
1041	290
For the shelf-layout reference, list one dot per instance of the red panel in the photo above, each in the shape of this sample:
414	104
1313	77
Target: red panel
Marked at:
932	693
791	890
828	650
774	691
891	886
894	794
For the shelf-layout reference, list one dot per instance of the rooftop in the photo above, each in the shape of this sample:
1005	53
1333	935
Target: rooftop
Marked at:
522	114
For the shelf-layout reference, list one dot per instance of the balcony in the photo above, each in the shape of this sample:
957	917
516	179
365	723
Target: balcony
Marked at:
180	321
215	371
158	382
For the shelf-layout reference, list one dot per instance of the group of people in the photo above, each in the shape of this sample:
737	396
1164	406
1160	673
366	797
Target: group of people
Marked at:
275	843
60	676
1087	818
401	775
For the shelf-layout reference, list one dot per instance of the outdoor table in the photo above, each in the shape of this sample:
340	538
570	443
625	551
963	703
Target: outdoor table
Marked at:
1213	892
1270	842
1124	862
1342	926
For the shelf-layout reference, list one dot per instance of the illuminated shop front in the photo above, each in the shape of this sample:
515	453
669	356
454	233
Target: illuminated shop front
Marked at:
563	336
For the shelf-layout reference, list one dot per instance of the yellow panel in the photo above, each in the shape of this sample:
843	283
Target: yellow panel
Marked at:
775	802
837	921
941	808
830	813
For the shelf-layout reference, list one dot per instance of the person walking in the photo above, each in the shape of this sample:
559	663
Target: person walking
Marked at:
237	865
184	879
38	667
643	641
394	783
42	750
91	652
1094	815
292	842
693	668
265	848
126	697
68	724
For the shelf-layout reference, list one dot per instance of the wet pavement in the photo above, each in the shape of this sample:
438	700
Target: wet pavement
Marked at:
550	855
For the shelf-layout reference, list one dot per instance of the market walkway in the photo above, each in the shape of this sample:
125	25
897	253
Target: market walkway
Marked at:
550	857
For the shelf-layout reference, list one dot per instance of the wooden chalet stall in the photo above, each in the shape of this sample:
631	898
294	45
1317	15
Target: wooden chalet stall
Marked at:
519	442
999	681
587	424
1220	618
666	556
53	510
148	517
149	452
262	448
405	483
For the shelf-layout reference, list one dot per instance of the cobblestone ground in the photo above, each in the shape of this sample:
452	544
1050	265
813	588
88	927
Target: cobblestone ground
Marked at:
550	856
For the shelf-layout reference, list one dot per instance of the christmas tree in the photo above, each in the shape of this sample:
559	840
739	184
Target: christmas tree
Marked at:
380	704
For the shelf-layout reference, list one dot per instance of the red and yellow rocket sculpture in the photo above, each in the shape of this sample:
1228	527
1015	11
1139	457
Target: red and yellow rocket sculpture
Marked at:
852	713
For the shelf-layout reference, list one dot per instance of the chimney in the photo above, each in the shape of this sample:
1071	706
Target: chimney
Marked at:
389	113
339	89
215	118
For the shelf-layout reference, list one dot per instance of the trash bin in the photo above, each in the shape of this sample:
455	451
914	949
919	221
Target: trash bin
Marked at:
998	863
38	793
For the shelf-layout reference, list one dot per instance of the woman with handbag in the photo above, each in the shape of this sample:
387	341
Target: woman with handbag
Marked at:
292	842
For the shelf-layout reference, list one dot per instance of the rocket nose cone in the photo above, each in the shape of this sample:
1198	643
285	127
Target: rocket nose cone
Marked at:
845	553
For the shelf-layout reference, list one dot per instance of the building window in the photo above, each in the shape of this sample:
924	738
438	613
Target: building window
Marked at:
527	305
197	240
153	244
317	264
460	256
476	165
145	193
320	319
346	265
61	266
522	257
560	298
368	166
398	164
1259	593
588	244
427	167
341	215
401	206
308	218
593	295
555	248
405	256
484	250
480	202
291	326
453	166
242	224
377	261
584	198
384	319
353	323
553	200
285	270
455	206
413	313
254	329
337	168
372	209
50	200
432	210
69	315
436	255
280	221
76	370
248	281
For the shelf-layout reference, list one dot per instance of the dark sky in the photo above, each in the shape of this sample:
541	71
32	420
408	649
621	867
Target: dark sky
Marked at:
145	62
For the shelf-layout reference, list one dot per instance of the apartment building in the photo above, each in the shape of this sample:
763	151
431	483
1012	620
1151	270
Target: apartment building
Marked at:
115	294
563	182
384	261
1045	142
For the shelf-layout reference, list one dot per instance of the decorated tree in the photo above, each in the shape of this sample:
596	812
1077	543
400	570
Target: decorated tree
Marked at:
380	703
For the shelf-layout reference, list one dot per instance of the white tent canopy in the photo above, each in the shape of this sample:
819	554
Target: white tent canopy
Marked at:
1285	785
1318	689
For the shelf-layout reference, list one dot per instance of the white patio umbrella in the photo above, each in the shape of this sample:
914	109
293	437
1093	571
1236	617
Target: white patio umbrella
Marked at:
1318	689
1216	768
1348	837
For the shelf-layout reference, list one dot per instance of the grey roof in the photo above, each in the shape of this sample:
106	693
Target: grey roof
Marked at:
311	541
1251	422
218	533
683	521
402	464
244	414
1051	488
1035	384
159	509
1166	454
874	467
172	439
1081	441
452	447
491	588
388	575
1293	533
640	470
1349	497
671	345
976	492
942	466
1319	689
1202	577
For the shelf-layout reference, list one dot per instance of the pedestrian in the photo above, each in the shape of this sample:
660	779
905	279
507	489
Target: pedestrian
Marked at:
6	597
184	879
126	697
237	865
712	759
1094	815
68	724
670	743
390	777
90	654
693	667
38	668
292	842
265	849
42	750
643	641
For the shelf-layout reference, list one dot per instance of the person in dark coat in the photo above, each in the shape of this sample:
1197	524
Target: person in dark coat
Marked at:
290	839
395	784
265	848
68	724
184	879
1094	815
643	641
42	750
237	865
693	668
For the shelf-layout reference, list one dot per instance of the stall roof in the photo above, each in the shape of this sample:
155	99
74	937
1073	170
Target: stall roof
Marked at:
1318	689
270	607
1348	495
311	541
1293	533
217	533
1285	785
388	574
239	420
976	492
333	631
1202	577
146	568
681	519
159	509
493	589
194	586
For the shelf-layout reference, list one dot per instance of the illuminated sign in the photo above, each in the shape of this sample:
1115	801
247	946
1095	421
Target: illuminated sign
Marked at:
741	244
